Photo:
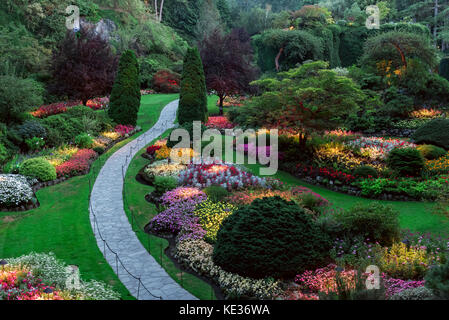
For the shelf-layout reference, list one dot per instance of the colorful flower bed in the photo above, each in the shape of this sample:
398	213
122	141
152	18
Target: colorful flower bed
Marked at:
78	163
222	174
378	148
437	166
211	215
54	108
325	175
426	114
219	122
164	168
40	276
98	103
182	194
124	130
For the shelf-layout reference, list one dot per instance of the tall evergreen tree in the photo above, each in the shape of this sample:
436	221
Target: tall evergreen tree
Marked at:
125	97
193	97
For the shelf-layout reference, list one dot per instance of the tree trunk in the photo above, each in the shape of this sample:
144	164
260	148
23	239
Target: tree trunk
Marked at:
276	60
435	27
160	11
155	8
404	60
220	108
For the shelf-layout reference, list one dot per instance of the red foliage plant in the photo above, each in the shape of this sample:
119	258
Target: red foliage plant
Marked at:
166	81
78	163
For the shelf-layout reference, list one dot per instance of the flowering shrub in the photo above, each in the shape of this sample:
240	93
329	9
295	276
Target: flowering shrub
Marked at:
54	108
78	163
124	130
243	198
166	81
378	148
324	173
222	174
236	101
61	155
182	194
426	114
336	155
325	279
163	168
437	166
111	135
301	191
15	190
26	278
98	103
395	286
197	255
171	220
406	263
219	122
211	216
151	150
163	152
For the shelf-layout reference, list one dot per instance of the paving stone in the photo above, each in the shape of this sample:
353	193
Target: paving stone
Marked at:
108	216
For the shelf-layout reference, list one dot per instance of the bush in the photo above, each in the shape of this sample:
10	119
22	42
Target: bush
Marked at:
38	168
420	293
431	152
61	129
270	237
165	81
193	96
374	221
4	154
99	150
125	96
35	143
84	141
365	172
437	280
434	132
216	193
32	128
14	190
164	184
405	161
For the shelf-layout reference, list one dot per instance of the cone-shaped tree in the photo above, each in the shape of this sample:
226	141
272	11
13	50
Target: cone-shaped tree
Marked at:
193	97
125	96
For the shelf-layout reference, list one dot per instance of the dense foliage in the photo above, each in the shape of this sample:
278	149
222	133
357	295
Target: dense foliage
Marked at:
125	95
271	248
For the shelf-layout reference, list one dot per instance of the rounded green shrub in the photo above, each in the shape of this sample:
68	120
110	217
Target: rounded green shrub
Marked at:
431	152
372	221
164	184
31	129
38	168
84	141
271	237
99	150
405	161
216	193
61	129
365	172
434	132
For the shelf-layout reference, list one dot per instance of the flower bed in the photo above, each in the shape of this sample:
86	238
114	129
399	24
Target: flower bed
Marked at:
182	194
164	168
40	276
222	174
78	164
378	148
98	103
54	108
15	191
219	122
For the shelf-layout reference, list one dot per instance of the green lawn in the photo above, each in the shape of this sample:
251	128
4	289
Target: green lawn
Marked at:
61	224
212	105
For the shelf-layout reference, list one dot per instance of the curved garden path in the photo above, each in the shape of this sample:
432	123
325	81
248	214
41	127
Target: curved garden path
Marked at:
111	221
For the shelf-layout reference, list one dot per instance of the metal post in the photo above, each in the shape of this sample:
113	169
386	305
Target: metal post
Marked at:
104	248
116	264
138	290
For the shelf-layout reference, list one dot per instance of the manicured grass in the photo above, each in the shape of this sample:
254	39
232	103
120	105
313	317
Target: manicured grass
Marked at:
142	213
212	105
61	224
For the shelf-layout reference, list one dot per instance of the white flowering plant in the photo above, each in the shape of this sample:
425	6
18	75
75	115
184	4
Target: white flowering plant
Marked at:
15	190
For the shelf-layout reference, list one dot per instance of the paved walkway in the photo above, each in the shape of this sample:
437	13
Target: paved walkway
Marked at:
114	226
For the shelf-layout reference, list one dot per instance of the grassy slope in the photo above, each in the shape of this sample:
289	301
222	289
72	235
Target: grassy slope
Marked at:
61	224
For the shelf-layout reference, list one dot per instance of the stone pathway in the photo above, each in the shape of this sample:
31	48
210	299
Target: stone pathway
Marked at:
111	221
